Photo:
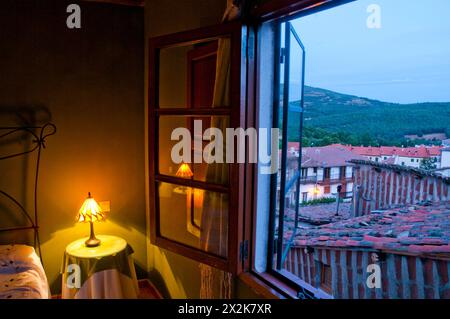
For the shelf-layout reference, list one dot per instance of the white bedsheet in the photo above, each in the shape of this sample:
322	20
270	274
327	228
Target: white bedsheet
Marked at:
21	274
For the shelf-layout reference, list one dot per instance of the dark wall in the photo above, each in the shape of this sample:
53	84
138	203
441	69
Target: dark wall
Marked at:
90	83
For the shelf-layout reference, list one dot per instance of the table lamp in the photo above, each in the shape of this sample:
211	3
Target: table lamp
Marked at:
91	212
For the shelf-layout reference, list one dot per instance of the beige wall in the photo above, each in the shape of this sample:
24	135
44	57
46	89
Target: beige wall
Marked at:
177	276
91	82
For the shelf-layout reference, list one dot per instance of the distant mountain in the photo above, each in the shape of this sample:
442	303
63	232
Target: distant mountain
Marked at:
336	112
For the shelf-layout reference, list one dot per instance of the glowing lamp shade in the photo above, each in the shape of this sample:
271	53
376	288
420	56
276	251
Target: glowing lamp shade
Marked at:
184	171
91	212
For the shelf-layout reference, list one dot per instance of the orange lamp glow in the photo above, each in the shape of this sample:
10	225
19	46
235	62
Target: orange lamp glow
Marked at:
91	212
198	198
184	171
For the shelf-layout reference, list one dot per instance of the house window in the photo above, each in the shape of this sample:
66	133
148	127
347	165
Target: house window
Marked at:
304	173
304	197
342	172
327	173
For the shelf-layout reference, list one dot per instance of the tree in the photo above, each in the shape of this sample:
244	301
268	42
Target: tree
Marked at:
428	164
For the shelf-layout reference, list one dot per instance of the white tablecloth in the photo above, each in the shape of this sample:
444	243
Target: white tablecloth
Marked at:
106	271
106	284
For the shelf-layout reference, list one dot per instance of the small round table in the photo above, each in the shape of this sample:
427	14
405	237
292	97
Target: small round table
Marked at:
103	272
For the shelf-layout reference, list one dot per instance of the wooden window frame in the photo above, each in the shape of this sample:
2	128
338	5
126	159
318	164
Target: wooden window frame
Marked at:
237	33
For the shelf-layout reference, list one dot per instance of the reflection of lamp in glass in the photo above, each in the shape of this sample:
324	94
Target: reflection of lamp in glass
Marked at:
194	205
198	197
90	212
184	171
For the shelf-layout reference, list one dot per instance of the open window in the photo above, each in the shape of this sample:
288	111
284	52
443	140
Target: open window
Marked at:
196	84
357	138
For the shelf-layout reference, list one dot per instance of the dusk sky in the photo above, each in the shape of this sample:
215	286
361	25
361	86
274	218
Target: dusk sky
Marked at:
406	61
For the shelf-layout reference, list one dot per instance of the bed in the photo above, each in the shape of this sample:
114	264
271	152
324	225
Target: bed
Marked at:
22	274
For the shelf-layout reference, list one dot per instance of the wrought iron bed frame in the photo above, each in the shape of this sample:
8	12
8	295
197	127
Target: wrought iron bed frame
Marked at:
39	135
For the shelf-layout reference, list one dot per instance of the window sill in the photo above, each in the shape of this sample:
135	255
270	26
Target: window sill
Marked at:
268	286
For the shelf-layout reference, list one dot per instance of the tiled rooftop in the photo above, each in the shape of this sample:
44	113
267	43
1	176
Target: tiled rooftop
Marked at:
319	214
418	152
327	156
399	168
417	230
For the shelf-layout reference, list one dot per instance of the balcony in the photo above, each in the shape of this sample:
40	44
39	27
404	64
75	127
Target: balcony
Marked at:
333	179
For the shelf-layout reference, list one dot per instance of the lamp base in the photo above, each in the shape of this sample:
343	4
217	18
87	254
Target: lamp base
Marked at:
92	242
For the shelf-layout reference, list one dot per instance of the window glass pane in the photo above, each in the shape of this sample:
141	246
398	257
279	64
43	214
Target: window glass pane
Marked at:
281	126
194	217
189	76
295	72
288	188
197	143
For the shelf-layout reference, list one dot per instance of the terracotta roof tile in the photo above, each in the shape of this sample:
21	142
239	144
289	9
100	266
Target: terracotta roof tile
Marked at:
328	156
418	152
419	229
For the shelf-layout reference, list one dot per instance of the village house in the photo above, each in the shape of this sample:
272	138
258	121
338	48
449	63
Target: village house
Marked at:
445	157
405	156
446	143
323	170
444	168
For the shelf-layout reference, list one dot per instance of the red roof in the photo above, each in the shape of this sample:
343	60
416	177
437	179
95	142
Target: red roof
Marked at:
327	156
418	152
418	230
293	145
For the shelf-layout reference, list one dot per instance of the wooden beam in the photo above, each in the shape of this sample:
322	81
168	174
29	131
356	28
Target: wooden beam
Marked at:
134	3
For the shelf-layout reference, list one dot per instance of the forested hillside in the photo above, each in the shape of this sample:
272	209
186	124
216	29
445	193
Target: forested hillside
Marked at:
331	117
